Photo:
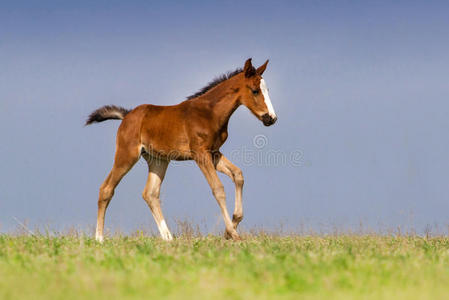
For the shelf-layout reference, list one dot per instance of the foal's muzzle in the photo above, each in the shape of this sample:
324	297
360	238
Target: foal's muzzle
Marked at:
268	120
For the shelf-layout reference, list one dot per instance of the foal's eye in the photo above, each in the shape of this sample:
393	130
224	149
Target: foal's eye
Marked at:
255	92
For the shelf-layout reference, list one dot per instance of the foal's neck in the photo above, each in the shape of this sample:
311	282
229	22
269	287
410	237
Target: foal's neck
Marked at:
222	100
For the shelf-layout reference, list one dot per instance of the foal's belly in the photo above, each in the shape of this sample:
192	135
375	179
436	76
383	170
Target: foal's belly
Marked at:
167	153
166	145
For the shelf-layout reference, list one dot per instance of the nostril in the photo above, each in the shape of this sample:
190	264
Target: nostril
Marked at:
266	118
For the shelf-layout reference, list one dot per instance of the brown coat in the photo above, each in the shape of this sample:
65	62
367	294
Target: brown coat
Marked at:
194	129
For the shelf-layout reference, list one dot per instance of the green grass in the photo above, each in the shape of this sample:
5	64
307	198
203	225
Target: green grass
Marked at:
260	267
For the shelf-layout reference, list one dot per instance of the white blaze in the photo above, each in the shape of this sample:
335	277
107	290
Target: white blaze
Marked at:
264	89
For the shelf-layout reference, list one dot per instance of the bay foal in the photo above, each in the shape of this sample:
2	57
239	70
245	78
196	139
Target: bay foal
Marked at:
191	130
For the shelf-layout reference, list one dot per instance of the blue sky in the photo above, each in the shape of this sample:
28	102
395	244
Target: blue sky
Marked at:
360	88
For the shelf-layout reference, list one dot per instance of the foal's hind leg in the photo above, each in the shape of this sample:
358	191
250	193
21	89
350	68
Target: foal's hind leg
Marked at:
225	166
123	162
156	173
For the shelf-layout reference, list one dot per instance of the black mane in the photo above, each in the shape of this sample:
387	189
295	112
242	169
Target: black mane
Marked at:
215	82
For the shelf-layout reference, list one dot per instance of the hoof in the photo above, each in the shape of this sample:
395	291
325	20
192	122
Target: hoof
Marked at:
167	237
236	219
232	236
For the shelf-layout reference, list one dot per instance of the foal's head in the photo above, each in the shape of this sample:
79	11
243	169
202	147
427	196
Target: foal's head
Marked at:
254	93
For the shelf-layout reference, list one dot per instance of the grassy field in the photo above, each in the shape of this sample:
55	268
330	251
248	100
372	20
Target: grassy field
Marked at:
260	267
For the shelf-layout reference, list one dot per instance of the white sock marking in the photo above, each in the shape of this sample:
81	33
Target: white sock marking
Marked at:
165	232
99	238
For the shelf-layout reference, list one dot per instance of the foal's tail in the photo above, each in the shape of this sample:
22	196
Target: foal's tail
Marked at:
107	112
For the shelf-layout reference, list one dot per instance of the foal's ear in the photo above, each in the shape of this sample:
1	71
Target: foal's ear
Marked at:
248	69
262	68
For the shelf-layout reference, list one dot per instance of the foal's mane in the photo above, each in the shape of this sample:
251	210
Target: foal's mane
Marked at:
216	81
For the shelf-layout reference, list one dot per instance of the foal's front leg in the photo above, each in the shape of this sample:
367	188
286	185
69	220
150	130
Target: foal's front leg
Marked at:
205	162
225	166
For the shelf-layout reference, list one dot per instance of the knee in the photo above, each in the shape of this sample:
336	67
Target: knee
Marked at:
219	192
238	177
150	196
106	193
